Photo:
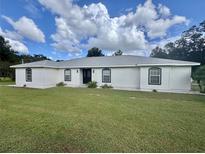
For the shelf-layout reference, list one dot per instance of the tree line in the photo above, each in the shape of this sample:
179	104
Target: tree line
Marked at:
10	57
189	47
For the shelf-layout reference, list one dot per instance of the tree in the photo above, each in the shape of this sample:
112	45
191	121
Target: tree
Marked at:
6	53
118	53
159	52
190	47
10	57
199	75
95	52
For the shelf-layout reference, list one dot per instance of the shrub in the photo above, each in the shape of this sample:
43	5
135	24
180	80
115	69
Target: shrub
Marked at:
60	84
92	84
199	76
154	90
106	86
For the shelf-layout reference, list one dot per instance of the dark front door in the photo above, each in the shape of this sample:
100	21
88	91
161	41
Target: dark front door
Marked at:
86	75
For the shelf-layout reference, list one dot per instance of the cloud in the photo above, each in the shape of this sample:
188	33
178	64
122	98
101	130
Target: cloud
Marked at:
27	28
128	9
158	28
10	34
163	10
80	28
32	8
155	21
14	41
17	46
163	42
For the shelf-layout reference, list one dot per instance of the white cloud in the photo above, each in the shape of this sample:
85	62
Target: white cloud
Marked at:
17	46
84	27
128	9
32	8
163	10
27	28
156	21
10	34
163	42
14	41
158	28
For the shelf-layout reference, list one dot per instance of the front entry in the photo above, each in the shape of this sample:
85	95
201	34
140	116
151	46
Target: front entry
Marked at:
86	75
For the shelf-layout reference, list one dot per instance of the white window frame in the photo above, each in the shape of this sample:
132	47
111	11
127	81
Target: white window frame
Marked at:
67	77
152	74
104	80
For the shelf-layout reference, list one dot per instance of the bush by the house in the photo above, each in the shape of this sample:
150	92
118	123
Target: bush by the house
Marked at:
154	90
92	84
60	84
106	86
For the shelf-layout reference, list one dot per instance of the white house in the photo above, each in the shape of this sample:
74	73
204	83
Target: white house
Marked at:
123	72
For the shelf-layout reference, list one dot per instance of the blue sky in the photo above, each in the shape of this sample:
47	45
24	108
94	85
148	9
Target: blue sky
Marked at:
65	29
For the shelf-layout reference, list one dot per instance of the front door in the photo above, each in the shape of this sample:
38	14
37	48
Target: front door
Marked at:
86	75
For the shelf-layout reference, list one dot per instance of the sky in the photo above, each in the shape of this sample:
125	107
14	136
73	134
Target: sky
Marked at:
67	29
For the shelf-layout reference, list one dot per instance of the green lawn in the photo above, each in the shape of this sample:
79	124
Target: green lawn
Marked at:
100	120
7	83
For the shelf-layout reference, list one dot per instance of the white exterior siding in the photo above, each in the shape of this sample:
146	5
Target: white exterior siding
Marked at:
172	79
180	78
120	77
20	77
41	77
75	77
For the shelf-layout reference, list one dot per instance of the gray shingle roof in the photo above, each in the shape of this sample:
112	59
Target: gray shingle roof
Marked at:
107	61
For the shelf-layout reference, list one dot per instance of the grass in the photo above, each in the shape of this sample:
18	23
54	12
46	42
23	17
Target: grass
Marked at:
6	81
100	120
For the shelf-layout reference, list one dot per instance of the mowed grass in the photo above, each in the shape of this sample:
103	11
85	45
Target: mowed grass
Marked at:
7	83
100	120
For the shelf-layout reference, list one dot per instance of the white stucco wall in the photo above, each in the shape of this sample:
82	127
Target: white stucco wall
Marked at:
41	77
173	79
120	77
75	77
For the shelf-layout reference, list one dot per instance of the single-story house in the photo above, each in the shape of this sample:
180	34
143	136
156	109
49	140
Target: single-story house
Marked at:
121	72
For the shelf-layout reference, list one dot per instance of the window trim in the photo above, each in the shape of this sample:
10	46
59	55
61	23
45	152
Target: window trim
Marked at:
65	75
104	69
26	74
160	75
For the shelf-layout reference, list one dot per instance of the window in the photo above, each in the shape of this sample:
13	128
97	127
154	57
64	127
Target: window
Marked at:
28	75
106	75
155	76
67	75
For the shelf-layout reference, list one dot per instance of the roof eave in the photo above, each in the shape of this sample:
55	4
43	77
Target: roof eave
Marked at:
193	64
32	67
